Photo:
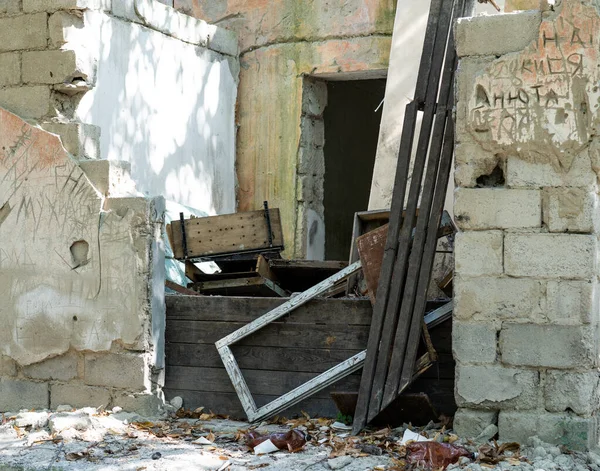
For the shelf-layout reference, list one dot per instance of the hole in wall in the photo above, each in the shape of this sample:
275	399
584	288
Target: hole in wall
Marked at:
79	252
493	179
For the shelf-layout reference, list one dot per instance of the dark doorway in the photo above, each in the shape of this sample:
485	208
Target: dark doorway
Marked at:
351	134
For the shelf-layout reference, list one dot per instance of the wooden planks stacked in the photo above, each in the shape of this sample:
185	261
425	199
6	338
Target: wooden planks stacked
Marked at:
410	247
280	357
275	360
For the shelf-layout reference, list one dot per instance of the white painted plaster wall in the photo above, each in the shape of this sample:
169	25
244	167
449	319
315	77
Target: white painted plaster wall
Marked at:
167	107
407	45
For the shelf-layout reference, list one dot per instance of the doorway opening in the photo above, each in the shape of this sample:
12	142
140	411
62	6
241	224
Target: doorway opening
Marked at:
351	136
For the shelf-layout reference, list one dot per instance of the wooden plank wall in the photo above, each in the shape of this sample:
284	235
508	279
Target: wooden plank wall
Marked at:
278	358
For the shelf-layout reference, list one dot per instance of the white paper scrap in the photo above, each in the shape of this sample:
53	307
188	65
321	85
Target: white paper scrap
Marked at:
410	436
265	448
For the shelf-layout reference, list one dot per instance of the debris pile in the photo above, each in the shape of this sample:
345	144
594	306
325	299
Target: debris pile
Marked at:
89	439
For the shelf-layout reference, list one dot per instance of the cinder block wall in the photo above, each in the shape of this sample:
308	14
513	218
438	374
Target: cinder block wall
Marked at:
526	312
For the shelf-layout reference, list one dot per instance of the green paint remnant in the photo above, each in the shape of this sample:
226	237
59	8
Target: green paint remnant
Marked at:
386	15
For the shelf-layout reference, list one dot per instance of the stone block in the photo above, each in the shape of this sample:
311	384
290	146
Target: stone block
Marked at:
511	33
471	161
529	173
559	429
54	67
313	132
80	140
311	160
314	97
570	210
32	6
10	7
550	255
223	40
62	368
492	299
8	367
124	371
16	395
26	102
64	27
34	420
78	396
479	253
469	423
304	188
10	69
64	421
23	32
146	405
572	302
487	208
494	387
110	177
474	342
576	391
550	346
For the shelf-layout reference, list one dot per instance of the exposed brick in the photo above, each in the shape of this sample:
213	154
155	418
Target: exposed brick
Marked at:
313	132
495	387
78	396
80	140
470	423
474	342
10	69
53	67
146	405
64	27
510	32
521	173
53	5
486	208
311	161
550	255
576	391
493	298
479	253
8	366
63	368
9	7
570	210
551	346
125	371
27	102
16	395
572	302
559	429
23	32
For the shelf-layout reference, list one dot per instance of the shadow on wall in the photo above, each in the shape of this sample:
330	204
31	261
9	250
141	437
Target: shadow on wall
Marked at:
167	107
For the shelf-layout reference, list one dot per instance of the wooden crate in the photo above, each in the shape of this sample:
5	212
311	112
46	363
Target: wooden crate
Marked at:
283	355
230	233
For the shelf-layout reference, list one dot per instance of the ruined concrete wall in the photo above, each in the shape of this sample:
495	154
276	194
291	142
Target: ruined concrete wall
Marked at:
159	84
80	281
81	256
526	307
282	42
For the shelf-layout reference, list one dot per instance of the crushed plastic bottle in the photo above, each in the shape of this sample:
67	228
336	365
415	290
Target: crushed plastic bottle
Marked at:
293	441
434	455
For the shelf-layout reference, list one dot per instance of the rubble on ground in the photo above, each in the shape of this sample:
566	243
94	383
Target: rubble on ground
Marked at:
91	439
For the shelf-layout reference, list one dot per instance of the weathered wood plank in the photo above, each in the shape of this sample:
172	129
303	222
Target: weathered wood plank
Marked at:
240	309
258	381
277	334
229	404
289	306
275	359
253	285
229	233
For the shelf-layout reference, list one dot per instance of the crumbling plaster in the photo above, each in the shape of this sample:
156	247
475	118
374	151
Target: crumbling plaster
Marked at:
82	264
282	42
